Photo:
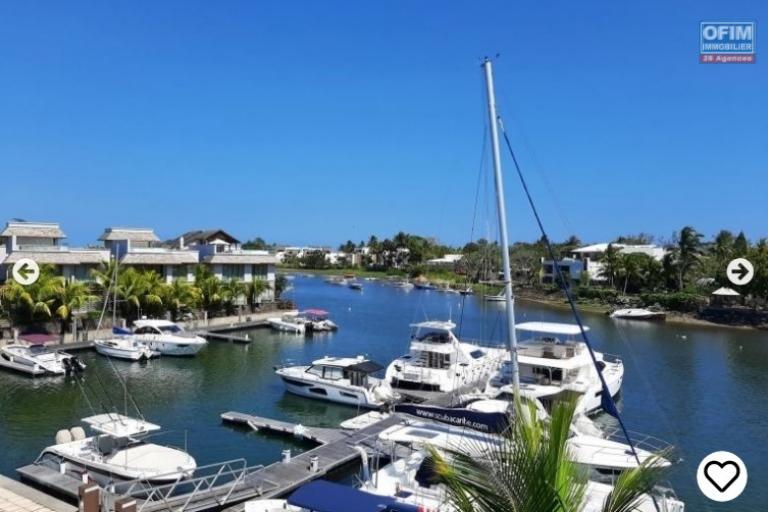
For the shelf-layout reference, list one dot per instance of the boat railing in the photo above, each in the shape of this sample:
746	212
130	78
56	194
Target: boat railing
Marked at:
216	482
641	441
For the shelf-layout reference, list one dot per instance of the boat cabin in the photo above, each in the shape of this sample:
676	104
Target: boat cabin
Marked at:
553	355
354	369
156	327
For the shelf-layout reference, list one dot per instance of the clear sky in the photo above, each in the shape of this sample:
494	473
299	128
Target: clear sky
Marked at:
318	121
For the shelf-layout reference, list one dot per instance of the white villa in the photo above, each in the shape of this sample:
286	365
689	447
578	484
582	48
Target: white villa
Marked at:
587	259
43	243
140	248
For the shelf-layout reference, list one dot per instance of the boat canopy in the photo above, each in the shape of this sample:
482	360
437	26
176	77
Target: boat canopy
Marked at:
436	325
365	367
324	496
117	425
550	328
316	313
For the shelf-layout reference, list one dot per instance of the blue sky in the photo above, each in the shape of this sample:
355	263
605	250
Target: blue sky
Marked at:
318	121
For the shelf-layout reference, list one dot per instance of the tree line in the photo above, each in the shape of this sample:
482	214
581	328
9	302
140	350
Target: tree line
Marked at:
138	293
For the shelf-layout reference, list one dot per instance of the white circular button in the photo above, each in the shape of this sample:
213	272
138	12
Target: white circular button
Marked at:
740	271
25	271
722	476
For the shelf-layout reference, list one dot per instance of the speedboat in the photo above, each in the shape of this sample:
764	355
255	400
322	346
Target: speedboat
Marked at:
638	314
404	285
317	320
124	345
39	360
553	362
425	285
354	285
467	291
345	380
118	451
168	338
289	322
499	297
438	363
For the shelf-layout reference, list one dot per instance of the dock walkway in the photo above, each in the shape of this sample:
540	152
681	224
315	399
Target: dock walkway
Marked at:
17	497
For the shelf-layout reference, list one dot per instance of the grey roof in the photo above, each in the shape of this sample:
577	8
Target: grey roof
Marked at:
160	258
59	257
240	258
36	229
133	234
202	236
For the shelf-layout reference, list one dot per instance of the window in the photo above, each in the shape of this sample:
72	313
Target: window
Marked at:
318	391
438	360
259	271
233	271
332	373
315	370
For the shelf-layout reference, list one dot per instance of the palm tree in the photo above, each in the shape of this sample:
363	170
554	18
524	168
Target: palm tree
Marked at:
130	290
67	297
254	290
686	253
611	263
152	289
530	470
231	291
178	295
209	288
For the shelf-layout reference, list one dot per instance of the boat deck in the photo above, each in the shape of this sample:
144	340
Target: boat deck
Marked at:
21	368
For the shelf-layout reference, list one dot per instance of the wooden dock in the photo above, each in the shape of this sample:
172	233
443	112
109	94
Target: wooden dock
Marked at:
223	336
226	485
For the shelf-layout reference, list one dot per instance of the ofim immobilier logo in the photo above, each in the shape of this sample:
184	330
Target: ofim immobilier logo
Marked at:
727	42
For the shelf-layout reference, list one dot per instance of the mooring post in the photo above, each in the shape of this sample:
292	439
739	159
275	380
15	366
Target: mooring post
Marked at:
125	505
89	497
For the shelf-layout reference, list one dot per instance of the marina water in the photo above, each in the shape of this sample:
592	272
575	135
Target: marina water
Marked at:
701	388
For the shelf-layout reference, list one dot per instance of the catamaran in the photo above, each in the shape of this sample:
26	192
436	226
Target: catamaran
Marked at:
438	363
345	380
554	361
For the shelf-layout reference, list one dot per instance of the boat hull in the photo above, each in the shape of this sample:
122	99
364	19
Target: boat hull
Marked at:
328	393
124	353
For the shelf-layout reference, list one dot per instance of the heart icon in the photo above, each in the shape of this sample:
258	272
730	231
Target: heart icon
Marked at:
722	474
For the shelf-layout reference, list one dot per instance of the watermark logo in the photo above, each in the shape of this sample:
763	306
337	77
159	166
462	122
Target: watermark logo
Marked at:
727	42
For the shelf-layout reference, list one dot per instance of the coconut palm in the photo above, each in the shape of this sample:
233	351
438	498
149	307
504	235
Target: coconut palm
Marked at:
530	470
254	289
179	295
231	292
686	253
611	264
67	297
209	289
29	304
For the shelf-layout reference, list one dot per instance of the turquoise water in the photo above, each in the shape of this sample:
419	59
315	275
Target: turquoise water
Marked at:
702	393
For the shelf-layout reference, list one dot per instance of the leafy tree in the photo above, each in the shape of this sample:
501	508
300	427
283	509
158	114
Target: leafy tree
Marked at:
179	295
254	290
740	245
257	244
232	291
67	297
611	264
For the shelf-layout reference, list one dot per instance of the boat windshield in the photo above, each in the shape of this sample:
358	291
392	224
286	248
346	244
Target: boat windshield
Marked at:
170	328
433	337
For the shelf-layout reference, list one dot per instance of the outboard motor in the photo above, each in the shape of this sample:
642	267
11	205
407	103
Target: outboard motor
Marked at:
75	365
309	327
67	364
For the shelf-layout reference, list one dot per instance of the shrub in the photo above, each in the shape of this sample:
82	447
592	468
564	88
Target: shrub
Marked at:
678	301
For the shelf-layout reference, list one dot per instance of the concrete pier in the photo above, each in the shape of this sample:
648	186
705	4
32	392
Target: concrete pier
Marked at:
18	497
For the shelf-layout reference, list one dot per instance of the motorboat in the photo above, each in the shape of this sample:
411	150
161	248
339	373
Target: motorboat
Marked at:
438	363
117	450
288	322
38	360
425	285
168	338
317	320
337	280
355	285
124	345
344	380
499	297
638	314
325	496
467	291
553	361
404	285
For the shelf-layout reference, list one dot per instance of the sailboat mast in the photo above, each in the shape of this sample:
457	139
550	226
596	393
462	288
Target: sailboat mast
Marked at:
502	211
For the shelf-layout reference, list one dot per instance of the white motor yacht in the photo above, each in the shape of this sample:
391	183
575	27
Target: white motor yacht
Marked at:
168	338
38	360
345	380
124	345
118	451
289	322
553	361
438	363
638	314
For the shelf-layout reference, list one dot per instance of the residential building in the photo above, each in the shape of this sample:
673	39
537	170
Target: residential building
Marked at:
141	248
589	259
43	242
447	260
226	258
